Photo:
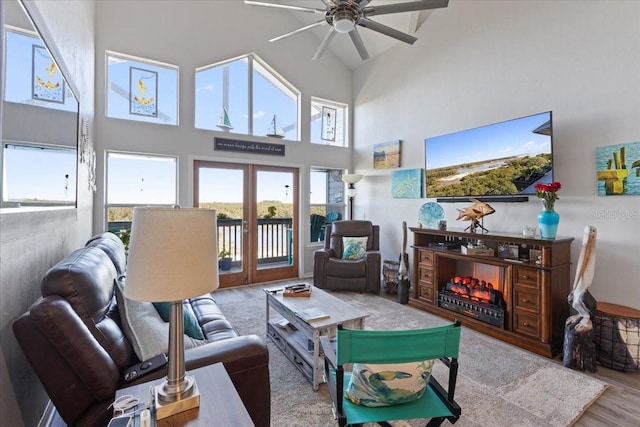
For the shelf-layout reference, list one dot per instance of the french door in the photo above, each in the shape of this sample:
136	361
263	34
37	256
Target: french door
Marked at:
257	219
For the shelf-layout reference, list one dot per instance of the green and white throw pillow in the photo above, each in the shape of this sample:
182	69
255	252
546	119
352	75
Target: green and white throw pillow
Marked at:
386	385
354	248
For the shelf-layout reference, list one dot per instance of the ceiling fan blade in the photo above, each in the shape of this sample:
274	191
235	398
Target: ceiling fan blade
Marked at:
357	42
325	43
299	30
387	31
404	7
283	6
329	3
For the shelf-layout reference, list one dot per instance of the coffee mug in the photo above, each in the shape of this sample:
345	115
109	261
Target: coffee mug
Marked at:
528	231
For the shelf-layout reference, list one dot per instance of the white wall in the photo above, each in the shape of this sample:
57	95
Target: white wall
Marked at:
31	242
192	34
477	63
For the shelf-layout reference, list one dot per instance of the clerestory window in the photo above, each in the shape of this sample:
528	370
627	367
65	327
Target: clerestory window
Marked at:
141	89
245	96
328	122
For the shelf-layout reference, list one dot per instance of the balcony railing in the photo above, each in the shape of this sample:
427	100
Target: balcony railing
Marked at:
273	243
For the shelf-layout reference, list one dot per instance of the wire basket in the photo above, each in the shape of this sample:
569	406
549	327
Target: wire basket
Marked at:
390	275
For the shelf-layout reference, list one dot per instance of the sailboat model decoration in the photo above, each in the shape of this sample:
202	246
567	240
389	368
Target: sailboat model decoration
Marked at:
224	123
275	130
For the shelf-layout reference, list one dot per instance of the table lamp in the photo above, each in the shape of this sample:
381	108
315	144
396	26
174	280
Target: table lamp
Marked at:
351	179
173	256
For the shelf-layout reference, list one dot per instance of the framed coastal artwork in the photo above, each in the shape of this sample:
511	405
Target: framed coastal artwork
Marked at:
407	184
48	83
618	169
143	92
386	155
328	124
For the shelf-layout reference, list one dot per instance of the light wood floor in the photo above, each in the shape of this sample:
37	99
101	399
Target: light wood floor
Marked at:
618	406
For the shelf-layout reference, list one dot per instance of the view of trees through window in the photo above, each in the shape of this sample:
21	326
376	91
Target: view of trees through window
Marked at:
138	180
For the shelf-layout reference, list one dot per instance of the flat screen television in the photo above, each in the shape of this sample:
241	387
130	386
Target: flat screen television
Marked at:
500	161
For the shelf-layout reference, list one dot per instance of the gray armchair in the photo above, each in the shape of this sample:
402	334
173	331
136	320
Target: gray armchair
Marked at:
331	271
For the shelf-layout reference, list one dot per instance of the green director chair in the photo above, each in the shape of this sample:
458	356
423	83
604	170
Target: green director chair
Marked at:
366	348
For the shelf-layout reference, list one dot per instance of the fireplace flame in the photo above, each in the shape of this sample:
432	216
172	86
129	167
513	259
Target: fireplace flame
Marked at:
474	289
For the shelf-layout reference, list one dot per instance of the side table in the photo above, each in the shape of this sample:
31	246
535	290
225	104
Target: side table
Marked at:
220	404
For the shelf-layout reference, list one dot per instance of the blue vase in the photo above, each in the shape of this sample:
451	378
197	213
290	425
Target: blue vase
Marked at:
548	221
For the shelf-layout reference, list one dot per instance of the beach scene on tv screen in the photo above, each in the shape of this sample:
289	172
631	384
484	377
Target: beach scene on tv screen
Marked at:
507	158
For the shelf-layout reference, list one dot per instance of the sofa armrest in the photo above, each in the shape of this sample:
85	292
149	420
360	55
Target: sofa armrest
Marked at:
239	353
73	367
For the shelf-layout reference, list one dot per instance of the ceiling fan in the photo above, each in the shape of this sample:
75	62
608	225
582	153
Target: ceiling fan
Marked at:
344	16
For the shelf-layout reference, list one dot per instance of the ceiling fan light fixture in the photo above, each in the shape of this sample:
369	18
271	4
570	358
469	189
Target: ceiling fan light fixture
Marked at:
343	25
344	21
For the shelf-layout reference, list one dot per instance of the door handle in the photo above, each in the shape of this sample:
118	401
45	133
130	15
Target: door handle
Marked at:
245	227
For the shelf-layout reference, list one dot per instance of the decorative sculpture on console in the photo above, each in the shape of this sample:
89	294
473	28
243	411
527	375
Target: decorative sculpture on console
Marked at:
579	345
475	213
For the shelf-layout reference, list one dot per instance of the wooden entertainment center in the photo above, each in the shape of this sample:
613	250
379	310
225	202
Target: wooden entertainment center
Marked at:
535	294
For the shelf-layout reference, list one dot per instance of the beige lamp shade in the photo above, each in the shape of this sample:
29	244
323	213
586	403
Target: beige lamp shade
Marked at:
173	254
351	178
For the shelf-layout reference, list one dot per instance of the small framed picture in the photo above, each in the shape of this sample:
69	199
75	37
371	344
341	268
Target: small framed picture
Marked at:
143	92
328	124
534	254
503	251
514	251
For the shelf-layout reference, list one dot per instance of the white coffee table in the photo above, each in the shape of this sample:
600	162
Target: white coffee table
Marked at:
299	340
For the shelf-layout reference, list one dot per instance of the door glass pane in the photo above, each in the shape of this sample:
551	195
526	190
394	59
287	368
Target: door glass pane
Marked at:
327	201
222	189
274	204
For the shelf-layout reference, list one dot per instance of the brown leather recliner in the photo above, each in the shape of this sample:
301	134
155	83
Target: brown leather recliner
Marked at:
73	338
332	272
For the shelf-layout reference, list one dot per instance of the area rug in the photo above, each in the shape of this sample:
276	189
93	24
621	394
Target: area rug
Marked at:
498	384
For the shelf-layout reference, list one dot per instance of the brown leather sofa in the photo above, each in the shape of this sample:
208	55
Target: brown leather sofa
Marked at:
74	339
332	272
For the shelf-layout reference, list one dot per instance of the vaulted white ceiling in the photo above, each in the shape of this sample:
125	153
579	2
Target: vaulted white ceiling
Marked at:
341	46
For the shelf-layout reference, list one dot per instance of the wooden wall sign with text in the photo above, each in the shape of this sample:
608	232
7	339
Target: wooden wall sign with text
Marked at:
224	144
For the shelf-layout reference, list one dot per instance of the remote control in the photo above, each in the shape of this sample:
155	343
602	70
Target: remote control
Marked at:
145	367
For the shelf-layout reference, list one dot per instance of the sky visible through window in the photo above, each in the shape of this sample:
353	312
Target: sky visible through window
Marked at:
131	83
149	179
226	85
26	168
29	164
140	179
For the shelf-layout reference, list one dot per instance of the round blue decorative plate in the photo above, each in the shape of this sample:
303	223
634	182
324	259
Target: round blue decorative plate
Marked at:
430	214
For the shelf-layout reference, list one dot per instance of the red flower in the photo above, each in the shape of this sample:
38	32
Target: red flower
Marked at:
548	188
547	192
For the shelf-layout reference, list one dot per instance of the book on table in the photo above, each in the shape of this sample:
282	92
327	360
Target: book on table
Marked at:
311	314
